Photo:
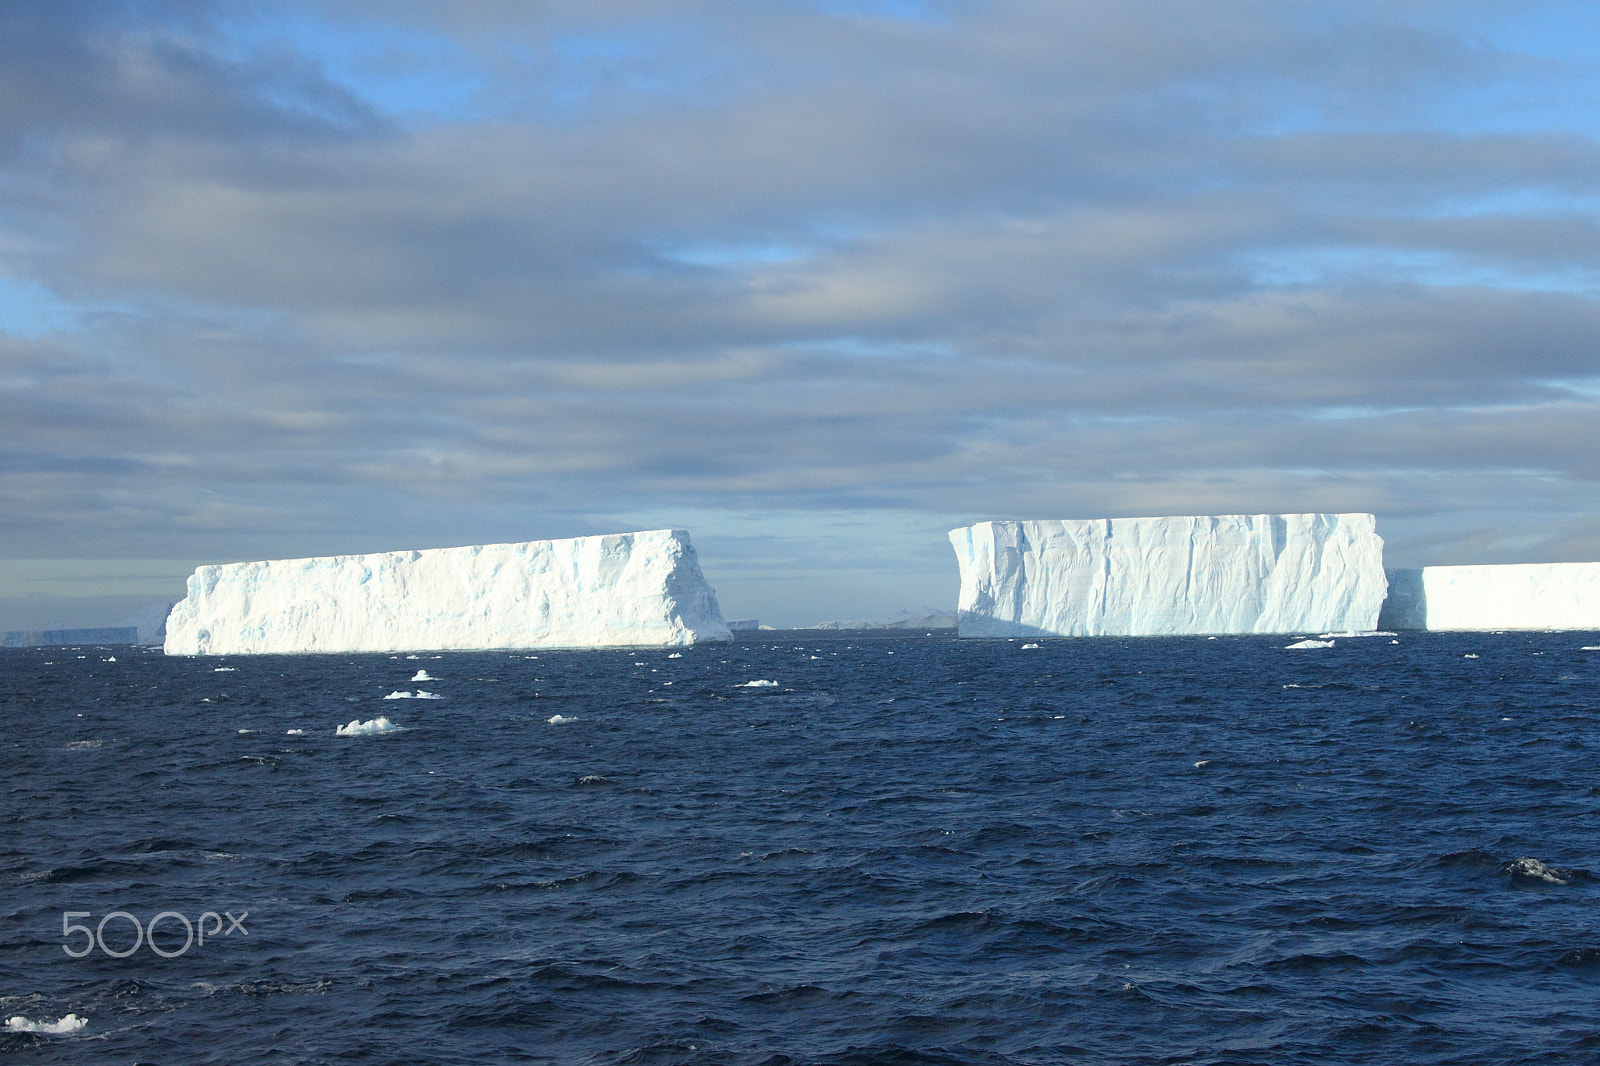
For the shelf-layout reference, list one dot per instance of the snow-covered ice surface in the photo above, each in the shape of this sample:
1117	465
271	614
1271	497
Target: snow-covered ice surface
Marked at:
1290	573
1494	596
607	591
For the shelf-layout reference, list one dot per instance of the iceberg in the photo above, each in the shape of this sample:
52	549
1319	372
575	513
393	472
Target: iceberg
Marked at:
1494	596
607	591
1288	573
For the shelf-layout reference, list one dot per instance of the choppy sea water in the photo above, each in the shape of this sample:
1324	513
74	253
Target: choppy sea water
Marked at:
917	851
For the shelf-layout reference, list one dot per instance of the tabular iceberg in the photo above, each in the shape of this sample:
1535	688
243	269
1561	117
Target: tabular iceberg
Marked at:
609	591
1169	576
1494	596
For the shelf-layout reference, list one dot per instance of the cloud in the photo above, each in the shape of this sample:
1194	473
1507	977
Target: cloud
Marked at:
346	275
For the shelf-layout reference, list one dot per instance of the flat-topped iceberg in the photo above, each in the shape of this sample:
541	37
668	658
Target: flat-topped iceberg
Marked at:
1494	596
608	591
1291	573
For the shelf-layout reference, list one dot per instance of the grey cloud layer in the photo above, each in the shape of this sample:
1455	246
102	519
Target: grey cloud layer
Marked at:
1013	258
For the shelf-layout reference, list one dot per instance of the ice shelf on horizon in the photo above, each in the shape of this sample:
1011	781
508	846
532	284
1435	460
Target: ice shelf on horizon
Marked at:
1213	574
607	591
1494	596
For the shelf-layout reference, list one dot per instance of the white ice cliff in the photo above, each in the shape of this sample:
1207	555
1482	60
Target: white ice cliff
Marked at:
1291	573
1494	596
617	590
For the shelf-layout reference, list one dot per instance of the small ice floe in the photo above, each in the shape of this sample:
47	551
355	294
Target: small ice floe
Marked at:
1469	655
247	730
112	659
359	728
1025	647
423	675
559	719
758	684
1534	872
676	655
1308	643
1202	762
1590	647
407	694
424	695
297	732
70	1024
224	669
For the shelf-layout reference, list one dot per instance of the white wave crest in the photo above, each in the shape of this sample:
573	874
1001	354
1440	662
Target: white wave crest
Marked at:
758	684
359	728
70	1024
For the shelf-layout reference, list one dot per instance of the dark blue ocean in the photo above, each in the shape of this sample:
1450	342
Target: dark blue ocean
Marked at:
902	851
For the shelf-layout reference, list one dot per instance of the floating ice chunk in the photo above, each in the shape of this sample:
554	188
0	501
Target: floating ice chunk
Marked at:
1590	647
676	655
297	732
225	670
112	659
1494	597
1532	871
397	694
1200	575
1469	655
424	695
559	719
609	591
70	1024
1301	644
758	684
423	675
359	728
1202	762
1025	647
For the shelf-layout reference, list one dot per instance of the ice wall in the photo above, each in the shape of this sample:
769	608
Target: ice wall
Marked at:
1490	596
1290	573
618	590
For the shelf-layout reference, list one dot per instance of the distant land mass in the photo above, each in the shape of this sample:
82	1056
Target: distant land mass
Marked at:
926	618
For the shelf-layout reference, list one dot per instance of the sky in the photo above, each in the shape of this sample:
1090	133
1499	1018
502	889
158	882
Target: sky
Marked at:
818	280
